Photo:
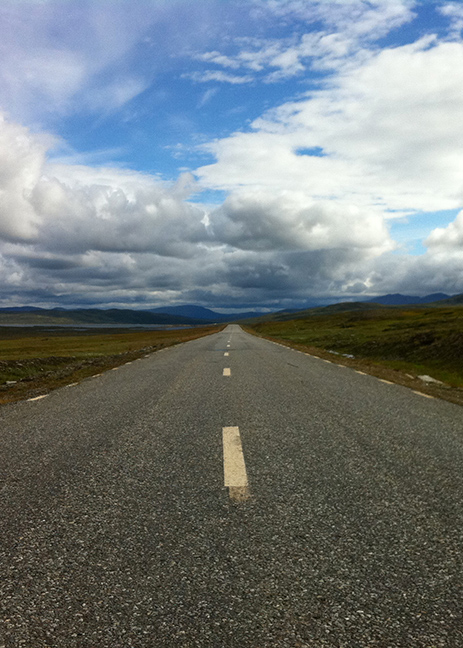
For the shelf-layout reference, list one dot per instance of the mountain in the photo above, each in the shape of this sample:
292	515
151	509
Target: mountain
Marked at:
199	312
403	300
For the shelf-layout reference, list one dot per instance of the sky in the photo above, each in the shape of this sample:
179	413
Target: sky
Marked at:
233	154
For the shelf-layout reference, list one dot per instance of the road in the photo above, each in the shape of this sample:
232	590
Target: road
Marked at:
340	525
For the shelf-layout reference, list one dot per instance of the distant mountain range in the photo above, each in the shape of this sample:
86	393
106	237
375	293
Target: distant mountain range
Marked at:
175	315
191	315
199	312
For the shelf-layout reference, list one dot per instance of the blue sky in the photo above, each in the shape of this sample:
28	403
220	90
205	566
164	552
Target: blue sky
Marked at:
230	153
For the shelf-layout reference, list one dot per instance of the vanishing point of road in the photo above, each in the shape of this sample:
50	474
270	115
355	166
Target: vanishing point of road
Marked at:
231	493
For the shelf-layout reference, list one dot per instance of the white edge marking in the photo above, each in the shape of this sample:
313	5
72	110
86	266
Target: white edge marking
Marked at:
36	398
387	382
73	384
421	394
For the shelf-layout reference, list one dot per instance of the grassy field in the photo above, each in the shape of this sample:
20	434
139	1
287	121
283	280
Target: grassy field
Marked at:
414	341
34	361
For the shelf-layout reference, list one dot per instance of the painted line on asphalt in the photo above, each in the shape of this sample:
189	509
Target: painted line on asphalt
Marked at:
29	400
227	372
421	394
226	354
234	468
360	372
388	382
114	368
96	375
73	384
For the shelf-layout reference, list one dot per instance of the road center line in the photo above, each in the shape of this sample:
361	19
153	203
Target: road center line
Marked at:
234	468
226	354
227	372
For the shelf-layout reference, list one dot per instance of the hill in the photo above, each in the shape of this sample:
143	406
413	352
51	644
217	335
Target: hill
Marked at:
92	316
397	299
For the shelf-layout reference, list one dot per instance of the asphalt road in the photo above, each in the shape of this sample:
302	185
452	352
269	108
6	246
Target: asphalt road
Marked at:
345	531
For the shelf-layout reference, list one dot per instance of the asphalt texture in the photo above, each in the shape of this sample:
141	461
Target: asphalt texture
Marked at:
117	531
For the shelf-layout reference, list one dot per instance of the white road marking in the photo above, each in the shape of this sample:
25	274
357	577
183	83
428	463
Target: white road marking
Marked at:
360	372
96	375
388	382
226	354
227	372
234	468
114	368
228	346
421	394
73	384
37	398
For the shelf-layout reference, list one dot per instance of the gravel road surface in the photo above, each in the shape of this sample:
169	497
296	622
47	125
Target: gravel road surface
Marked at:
343	529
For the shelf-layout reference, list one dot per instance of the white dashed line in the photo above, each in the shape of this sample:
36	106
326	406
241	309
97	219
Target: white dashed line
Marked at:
227	372
234	468
360	372
37	398
226	354
388	382
73	384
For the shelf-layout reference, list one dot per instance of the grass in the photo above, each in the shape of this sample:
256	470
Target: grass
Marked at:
34	361
417	341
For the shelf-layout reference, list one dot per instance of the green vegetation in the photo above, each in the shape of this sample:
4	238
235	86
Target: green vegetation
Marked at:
414	340
33	361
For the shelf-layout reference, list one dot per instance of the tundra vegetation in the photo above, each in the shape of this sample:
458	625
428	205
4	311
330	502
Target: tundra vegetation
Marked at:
35	360
399	344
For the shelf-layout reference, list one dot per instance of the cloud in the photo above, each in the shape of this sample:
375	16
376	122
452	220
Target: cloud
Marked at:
389	130
22	157
454	11
371	19
70	209
217	75
448	238
349	29
40	74
292	221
